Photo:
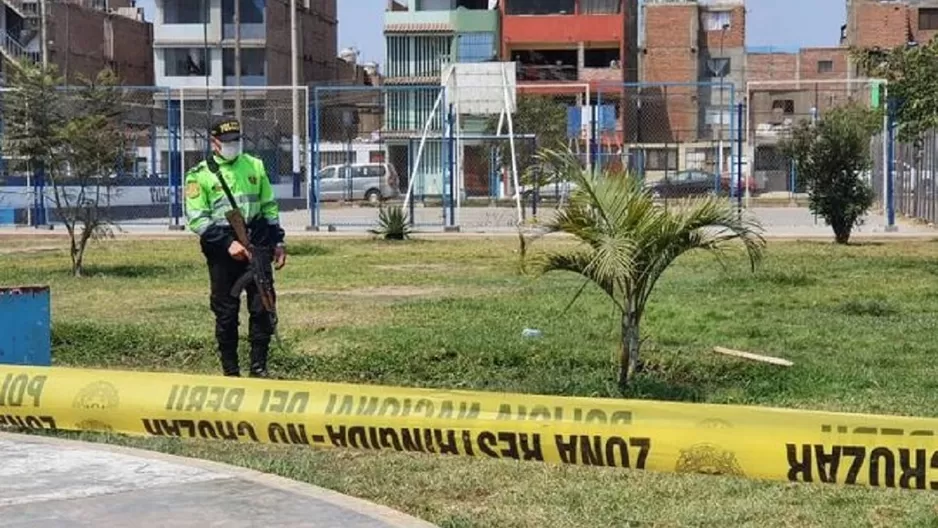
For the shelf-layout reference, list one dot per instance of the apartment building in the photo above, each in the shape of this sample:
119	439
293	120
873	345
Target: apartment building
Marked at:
692	62
84	37
890	23
423	36
194	55
569	42
194	42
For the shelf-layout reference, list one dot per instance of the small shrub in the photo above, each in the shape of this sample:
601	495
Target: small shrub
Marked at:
393	224
307	250
788	278
868	307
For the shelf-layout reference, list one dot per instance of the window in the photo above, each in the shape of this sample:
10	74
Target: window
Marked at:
716	20
714	116
540	7
253	62
785	106
252	11
186	62
326	174
435	5
661	159
601	58
476	47
825	66
184	12
367	171
928	18
600	7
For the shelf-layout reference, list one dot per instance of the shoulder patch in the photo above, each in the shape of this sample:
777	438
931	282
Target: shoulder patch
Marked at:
193	190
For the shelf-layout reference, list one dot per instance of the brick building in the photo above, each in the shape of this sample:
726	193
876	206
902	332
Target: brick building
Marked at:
784	88
84	37
692	61
888	24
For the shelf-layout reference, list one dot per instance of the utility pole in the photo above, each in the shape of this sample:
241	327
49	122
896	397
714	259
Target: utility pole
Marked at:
44	33
295	94
237	58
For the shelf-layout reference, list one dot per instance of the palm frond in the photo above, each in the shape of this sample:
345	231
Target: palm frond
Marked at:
581	262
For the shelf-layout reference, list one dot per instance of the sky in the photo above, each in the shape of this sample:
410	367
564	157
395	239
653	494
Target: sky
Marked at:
776	23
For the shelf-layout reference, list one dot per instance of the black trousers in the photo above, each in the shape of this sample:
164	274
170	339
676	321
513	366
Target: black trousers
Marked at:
224	271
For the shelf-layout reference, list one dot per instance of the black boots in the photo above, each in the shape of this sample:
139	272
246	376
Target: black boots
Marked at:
259	361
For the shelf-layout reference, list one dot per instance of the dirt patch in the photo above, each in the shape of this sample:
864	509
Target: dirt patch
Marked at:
387	292
414	267
30	249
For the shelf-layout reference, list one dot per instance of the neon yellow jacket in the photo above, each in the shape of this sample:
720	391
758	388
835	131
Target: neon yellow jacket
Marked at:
206	202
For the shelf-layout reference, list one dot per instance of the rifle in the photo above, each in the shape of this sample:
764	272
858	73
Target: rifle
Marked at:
260	268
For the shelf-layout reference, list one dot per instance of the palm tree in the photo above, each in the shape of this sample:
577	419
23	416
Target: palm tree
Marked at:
627	241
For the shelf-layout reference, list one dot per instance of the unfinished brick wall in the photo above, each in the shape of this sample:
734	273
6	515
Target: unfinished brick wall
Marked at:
80	48
771	66
871	24
671	55
317	28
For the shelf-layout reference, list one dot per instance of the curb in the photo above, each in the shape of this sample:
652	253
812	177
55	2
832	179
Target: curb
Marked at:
374	511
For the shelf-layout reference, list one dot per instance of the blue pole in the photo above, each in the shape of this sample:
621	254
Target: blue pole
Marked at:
449	186
891	166
175	158
39	196
591	148
739	162
314	190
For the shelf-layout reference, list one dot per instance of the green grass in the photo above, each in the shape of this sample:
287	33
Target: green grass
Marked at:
858	322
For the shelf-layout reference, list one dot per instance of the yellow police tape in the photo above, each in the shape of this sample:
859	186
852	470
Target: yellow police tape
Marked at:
761	443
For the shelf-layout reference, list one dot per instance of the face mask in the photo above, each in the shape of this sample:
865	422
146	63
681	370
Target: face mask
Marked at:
230	150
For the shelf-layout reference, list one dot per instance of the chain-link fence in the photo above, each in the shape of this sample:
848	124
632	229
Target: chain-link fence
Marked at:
681	139
165	133
371	146
547	116
274	125
914	169
776	107
130	190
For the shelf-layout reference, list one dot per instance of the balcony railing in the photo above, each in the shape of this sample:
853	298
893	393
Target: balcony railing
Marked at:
535	73
600	74
14	50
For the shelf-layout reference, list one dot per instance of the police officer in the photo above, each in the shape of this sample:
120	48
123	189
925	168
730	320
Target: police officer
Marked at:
206	204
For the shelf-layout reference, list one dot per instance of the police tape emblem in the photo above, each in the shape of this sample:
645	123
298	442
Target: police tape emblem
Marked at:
193	190
98	396
708	459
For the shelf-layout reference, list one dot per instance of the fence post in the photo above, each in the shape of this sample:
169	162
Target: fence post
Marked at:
39	197
412	209
175	163
313	186
890	165
449	204
740	184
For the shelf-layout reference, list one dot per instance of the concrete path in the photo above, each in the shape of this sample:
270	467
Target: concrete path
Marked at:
50	483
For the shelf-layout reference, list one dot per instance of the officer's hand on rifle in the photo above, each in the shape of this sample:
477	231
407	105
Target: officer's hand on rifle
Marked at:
238	252
280	257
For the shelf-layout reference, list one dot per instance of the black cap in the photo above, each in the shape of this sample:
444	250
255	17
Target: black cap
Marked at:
227	129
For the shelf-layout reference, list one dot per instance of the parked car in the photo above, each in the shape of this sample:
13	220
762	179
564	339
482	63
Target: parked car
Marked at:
748	183
683	183
372	182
